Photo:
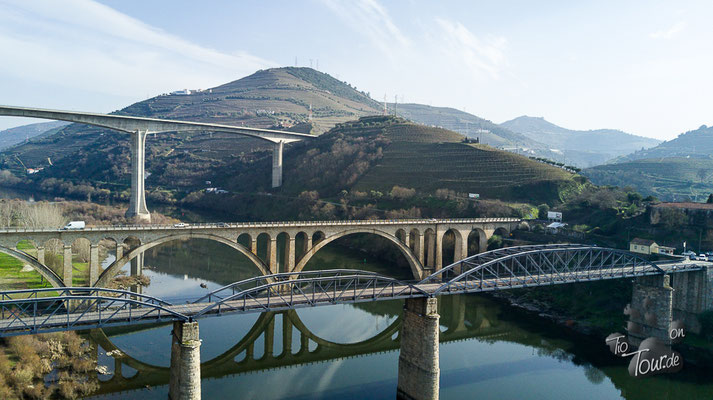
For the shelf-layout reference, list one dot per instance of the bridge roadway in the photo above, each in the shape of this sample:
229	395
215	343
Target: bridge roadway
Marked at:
419	240
510	268
139	128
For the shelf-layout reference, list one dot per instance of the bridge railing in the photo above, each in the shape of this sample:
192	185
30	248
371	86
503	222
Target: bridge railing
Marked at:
267	224
453	270
259	281
76	311
311	290
537	267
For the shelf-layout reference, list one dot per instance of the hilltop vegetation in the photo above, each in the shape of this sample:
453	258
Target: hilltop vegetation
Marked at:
580	148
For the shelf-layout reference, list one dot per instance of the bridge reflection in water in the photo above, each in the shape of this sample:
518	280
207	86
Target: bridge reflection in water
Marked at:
282	339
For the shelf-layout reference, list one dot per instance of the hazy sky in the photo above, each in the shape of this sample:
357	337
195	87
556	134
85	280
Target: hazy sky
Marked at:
645	67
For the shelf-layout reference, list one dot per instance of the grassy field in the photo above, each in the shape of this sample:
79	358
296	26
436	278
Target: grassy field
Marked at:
12	276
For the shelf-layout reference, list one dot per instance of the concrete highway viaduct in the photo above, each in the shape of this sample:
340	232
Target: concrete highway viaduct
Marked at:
419	240
139	128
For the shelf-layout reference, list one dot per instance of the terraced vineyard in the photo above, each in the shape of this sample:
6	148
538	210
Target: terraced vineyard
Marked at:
427	159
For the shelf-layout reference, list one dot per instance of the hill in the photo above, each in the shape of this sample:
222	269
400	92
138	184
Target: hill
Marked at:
668	178
696	144
273	98
580	148
463	123
19	134
389	162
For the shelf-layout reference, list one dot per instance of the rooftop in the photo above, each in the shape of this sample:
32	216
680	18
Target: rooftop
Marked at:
645	242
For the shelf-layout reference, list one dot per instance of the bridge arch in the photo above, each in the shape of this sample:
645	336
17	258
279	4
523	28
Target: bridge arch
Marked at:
44	270
416	267
477	241
117	264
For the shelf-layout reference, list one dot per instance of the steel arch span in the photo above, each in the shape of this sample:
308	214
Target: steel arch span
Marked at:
529	266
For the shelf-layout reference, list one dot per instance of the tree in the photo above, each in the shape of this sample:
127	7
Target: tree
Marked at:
542	211
710	199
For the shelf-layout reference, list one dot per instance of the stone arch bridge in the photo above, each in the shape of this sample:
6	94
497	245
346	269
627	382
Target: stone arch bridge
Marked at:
419	240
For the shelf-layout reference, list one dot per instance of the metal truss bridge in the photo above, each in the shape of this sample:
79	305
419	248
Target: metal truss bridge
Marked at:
56	309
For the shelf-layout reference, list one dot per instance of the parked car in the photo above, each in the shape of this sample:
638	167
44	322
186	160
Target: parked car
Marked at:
74	226
180	225
222	225
703	257
690	254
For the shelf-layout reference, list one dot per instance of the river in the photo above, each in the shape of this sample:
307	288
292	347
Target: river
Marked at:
488	350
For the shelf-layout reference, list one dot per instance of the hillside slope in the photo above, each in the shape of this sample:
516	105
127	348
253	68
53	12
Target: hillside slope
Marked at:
581	148
378	153
19	134
463	123
273	98
669	179
677	170
696	143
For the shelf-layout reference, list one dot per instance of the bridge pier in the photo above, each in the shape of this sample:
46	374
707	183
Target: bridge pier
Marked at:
137	269
137	206
658	300
693	294
93	264
419	371
41	255
277	164
185	379
67	265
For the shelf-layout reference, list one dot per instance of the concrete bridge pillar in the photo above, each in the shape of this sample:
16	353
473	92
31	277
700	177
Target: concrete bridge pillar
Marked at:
272	255
693	294
119	250
67	265
419	371
277	164
439	249
137	269
137	206
185	378
41	255
93	264
308	244
290	254
651	309
253	245
419	248
430	250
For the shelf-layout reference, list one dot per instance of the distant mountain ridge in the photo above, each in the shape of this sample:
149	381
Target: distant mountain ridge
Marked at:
676	170
581	148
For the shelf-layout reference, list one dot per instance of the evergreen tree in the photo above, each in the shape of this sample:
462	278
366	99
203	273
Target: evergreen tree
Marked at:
710	199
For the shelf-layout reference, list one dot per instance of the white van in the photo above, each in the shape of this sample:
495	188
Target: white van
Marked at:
74	226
